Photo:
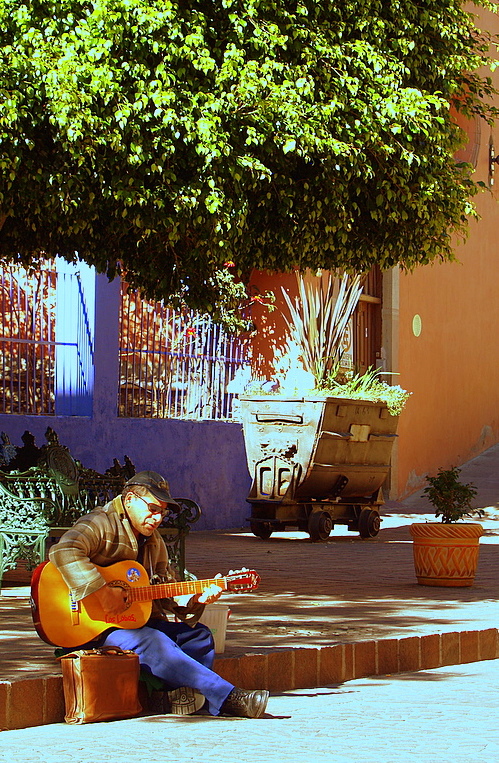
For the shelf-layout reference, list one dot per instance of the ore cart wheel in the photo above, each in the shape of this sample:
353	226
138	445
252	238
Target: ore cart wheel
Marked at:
320	525
262	530
369	523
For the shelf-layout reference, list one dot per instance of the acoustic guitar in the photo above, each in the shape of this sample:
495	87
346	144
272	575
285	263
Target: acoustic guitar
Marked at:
61	621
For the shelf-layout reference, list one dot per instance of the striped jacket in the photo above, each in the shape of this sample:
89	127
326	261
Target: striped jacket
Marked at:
104	537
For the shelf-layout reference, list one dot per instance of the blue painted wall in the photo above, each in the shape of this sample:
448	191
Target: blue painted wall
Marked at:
204	461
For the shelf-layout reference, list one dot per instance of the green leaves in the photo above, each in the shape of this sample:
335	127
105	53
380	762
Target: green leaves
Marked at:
165	138
451	498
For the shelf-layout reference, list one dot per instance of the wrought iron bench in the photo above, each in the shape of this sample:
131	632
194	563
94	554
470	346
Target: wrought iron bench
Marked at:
50	490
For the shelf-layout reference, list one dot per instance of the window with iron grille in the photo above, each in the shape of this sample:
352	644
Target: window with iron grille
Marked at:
27	338
175	363
46	337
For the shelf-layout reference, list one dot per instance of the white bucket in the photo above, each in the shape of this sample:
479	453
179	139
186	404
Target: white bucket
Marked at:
215	617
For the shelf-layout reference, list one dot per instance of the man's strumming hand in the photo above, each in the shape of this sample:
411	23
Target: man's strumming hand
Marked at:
112	599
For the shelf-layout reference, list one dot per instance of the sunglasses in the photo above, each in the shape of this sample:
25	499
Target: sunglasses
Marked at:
153	508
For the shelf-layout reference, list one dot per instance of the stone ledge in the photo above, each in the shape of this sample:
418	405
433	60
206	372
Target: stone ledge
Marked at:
30	702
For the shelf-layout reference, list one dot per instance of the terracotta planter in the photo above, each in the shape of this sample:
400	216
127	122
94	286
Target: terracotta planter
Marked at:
446	554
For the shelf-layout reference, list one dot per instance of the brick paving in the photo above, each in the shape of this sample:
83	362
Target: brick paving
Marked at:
325	613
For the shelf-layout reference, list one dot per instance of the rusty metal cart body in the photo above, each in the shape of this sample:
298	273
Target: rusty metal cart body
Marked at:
316	462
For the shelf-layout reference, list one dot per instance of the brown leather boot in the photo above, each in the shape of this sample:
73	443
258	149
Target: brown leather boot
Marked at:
245	704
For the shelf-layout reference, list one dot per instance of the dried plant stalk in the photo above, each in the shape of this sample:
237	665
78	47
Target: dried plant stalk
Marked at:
319	317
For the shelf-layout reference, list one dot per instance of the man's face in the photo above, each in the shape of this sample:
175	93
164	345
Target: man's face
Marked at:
145	512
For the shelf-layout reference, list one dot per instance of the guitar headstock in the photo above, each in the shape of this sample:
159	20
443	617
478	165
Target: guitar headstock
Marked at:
242	580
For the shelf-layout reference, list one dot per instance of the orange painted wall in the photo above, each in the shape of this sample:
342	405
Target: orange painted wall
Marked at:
452	368
270	323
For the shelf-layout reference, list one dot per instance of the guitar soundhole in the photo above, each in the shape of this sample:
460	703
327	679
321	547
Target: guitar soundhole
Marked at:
125	586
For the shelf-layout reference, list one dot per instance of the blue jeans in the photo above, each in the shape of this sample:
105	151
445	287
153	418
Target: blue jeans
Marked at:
178	654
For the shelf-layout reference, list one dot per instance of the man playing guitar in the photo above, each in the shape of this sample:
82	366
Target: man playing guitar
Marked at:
181	653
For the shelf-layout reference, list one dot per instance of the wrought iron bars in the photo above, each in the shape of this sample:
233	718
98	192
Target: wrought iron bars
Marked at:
175	363
27	305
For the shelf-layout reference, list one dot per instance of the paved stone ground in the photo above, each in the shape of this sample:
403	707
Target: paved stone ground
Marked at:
448	715
342	590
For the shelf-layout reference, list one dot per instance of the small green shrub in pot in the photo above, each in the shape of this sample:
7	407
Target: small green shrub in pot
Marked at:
451	497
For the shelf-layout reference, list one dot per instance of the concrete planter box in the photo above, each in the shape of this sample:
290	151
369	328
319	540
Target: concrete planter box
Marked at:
316	462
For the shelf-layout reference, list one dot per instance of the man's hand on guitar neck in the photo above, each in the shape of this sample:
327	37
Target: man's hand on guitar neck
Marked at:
209	595
112	599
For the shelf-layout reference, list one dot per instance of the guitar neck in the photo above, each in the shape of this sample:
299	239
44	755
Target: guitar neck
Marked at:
169	590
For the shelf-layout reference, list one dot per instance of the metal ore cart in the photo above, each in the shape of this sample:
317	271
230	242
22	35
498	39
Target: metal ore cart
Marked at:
316	462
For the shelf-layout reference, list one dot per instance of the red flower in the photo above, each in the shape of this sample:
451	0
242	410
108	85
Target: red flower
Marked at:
190	331
229	264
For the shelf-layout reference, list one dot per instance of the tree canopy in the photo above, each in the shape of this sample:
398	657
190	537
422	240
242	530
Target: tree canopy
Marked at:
168	139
